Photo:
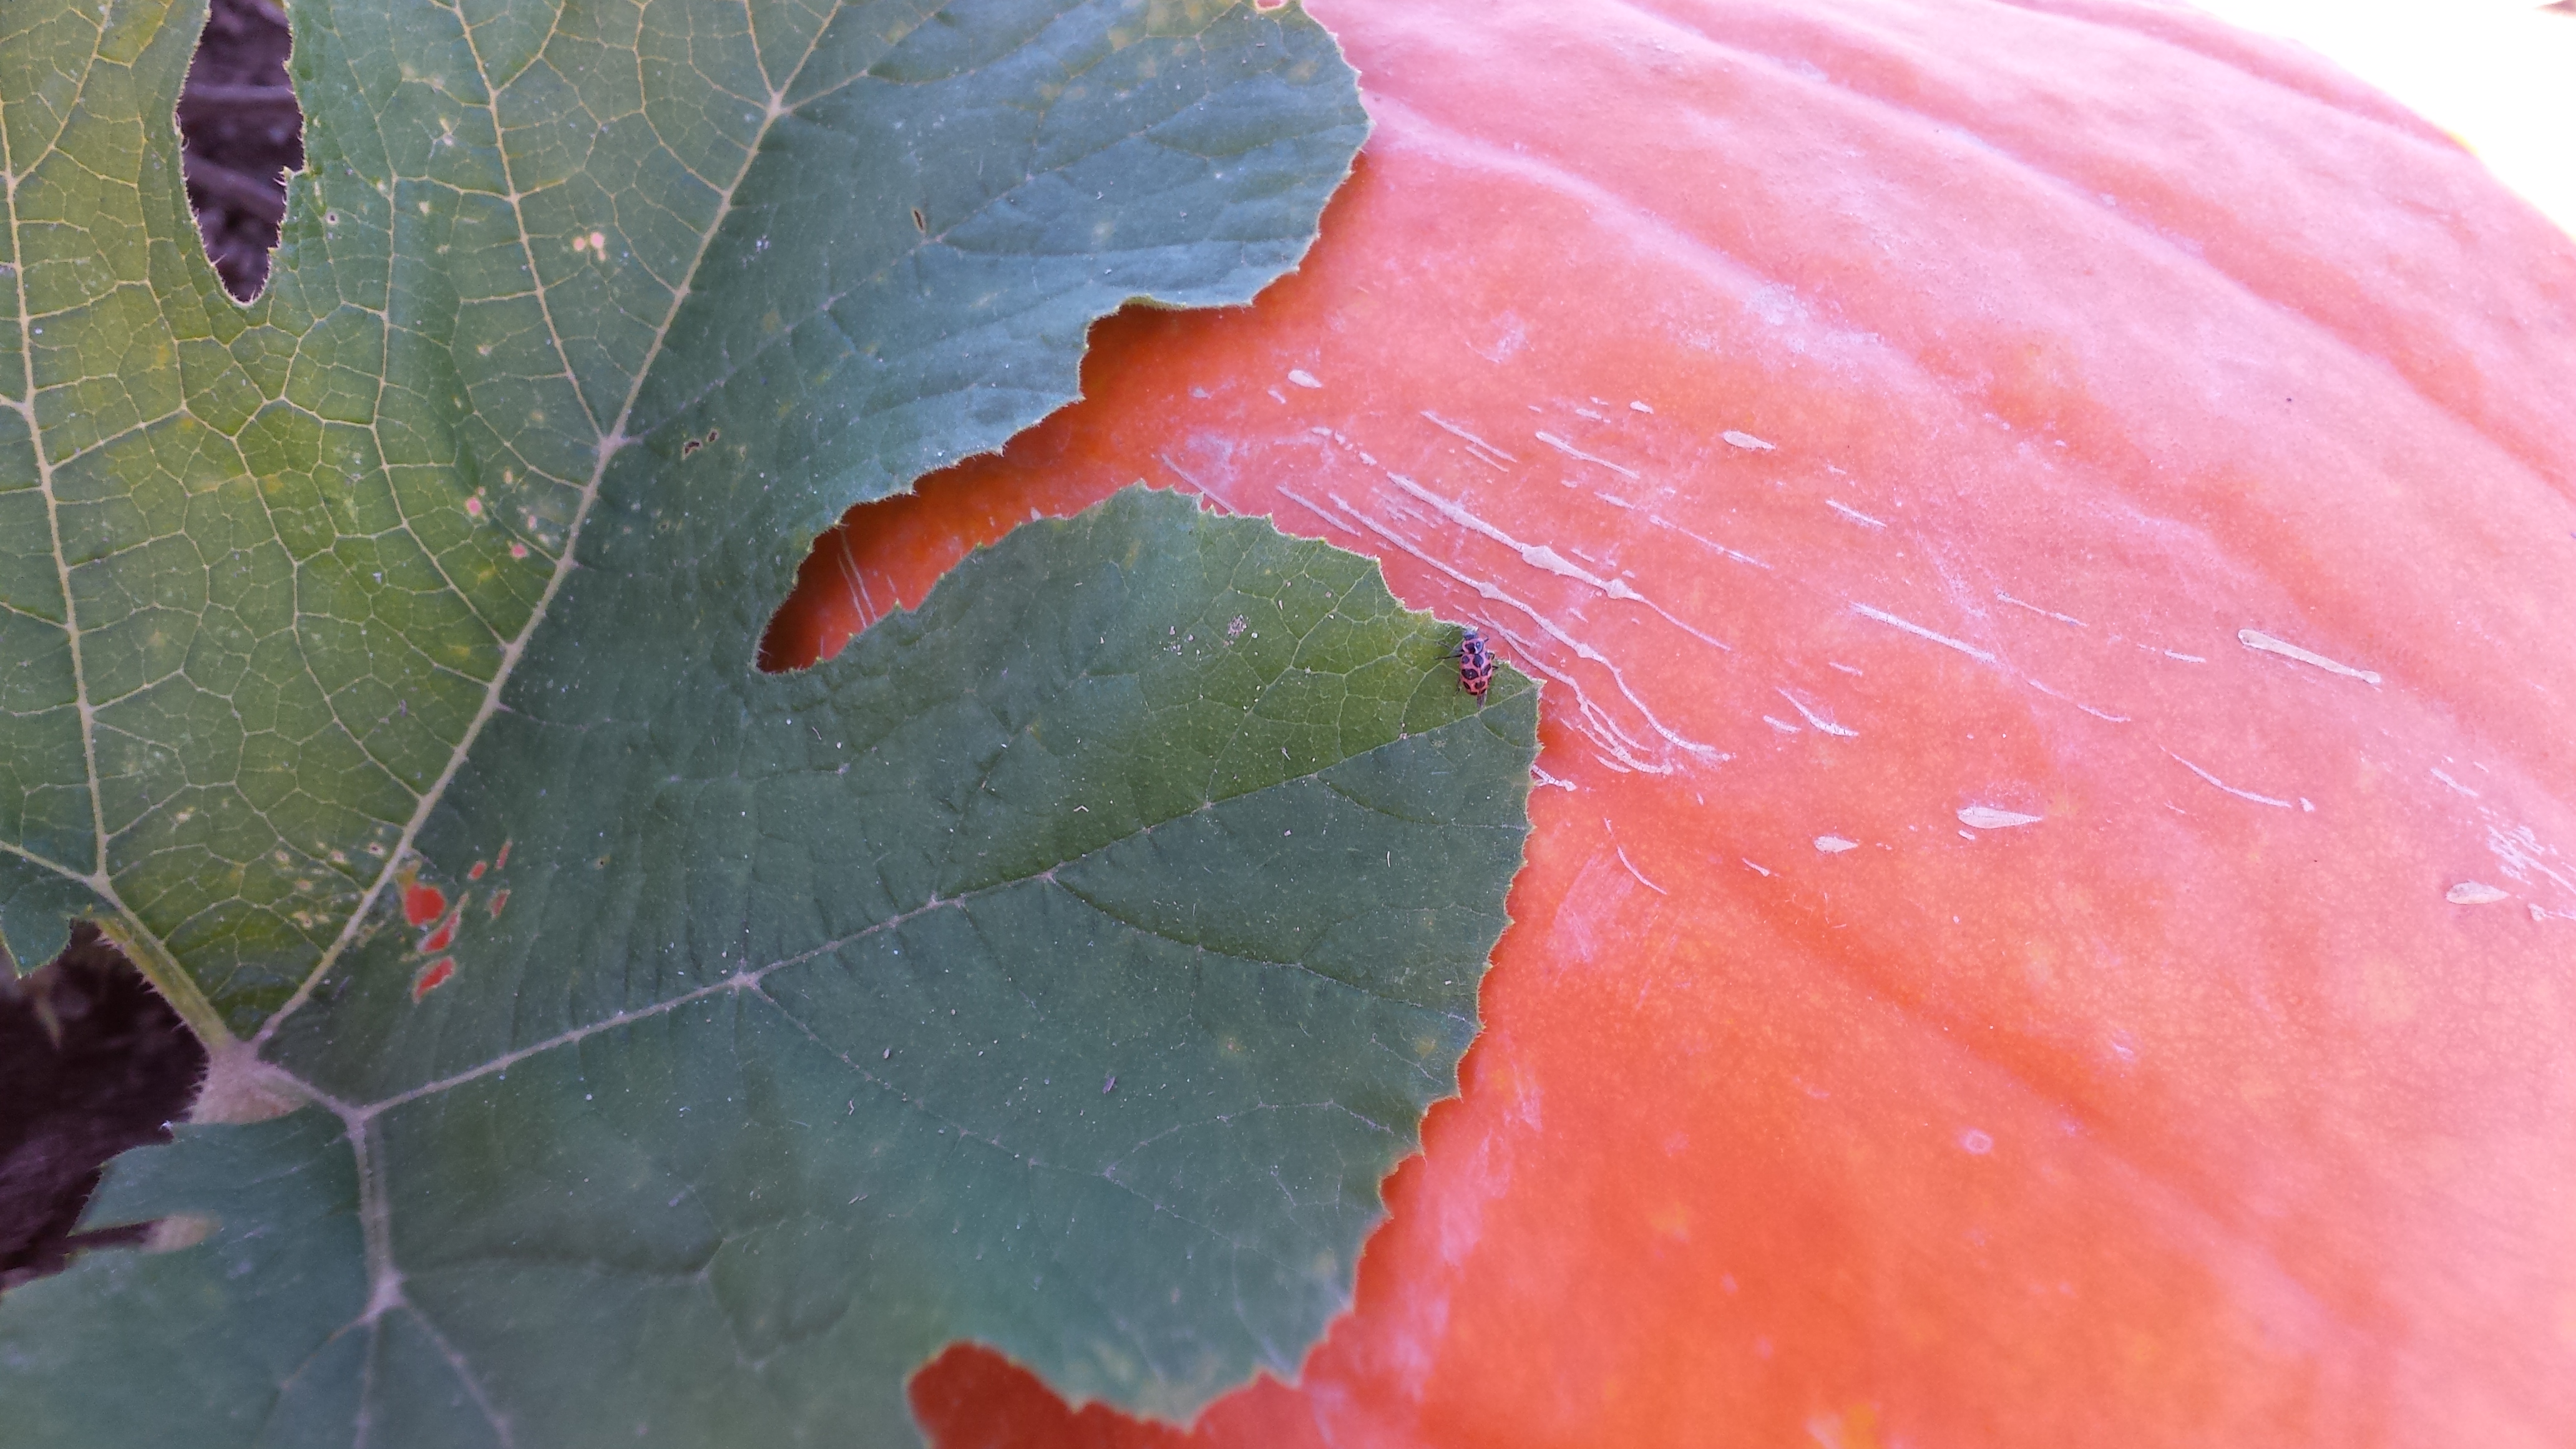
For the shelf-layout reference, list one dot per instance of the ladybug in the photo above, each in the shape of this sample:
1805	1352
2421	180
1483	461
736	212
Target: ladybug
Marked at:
1475	664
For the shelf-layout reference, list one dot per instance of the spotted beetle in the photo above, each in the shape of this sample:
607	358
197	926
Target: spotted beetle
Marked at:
1475	664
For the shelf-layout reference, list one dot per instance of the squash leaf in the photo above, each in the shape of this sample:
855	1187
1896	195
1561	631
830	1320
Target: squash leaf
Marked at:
267	574
687	1052
1061	967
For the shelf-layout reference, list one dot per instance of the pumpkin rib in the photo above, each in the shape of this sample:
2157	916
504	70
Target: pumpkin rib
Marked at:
2192	1196
2533	454
2208	497
1735	267
2278	63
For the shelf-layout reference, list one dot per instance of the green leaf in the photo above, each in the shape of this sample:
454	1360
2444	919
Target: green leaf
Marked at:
689	1052
268	573
285	1254
1061	967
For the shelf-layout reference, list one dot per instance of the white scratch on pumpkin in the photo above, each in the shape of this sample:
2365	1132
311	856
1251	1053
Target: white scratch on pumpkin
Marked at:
1540	556
1472	440
1621	851
2521	853
1835	844
1854	514
1746	441
2256	639
2079	704
1813	718
1710	544
1884	617
2474	893
2223	785
2036	609
1988	817
1571	451
2454	784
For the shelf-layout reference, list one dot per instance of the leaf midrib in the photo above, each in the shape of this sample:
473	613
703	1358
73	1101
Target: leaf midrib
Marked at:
750	977
609	444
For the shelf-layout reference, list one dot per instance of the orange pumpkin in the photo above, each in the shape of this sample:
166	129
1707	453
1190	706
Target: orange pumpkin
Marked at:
2050	532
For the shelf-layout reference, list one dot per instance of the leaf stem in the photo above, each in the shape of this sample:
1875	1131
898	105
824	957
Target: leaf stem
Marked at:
159	967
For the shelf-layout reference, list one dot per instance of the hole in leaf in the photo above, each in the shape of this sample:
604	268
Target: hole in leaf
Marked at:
240	129
92	1062
883	557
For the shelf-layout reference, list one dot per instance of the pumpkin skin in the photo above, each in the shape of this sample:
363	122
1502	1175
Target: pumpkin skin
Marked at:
2075	353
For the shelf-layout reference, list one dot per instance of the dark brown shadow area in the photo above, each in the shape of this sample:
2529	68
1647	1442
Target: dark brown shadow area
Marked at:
92	1062
240	128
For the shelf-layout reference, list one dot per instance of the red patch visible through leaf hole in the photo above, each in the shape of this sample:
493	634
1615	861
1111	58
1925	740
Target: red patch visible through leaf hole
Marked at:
432	976
477	872
970	1395
423	904
499	899
440	939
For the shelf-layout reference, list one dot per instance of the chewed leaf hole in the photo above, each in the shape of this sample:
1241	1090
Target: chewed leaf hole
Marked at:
240	130
883	557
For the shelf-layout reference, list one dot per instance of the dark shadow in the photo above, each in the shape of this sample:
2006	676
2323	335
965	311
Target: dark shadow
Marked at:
92	1062
240	128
